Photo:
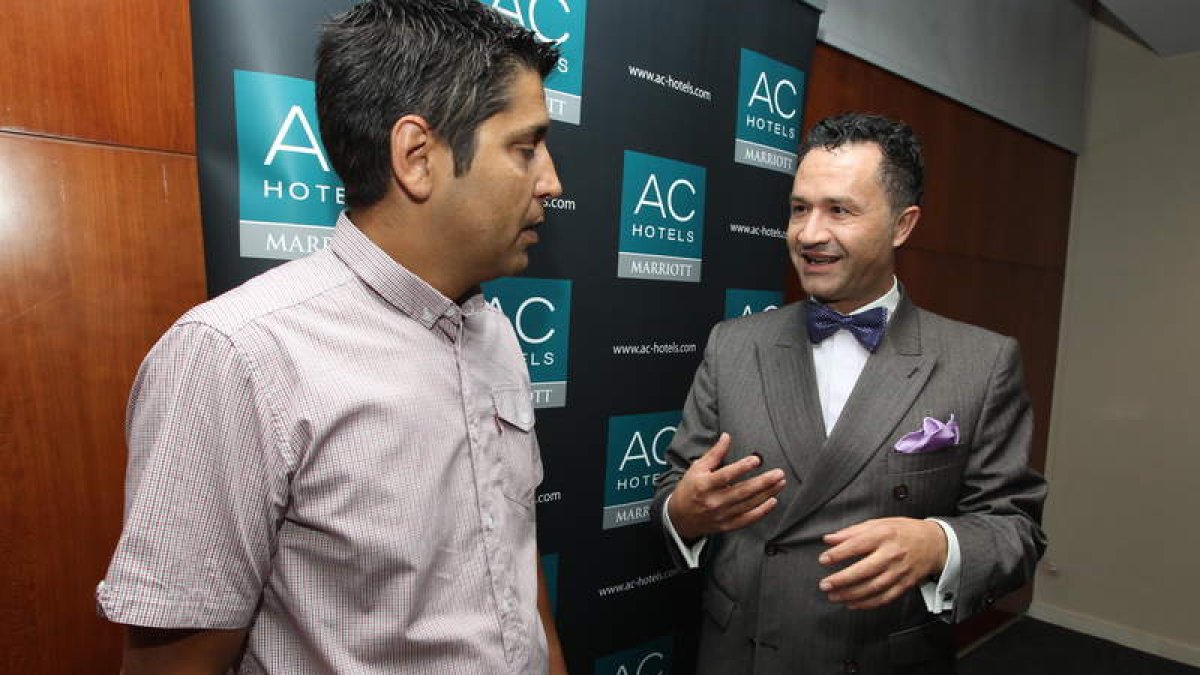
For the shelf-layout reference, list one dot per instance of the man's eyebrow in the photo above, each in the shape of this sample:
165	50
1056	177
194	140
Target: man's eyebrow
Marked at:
533	132
830	199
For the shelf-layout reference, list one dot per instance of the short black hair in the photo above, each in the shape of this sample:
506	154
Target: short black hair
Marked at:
902	170
450	61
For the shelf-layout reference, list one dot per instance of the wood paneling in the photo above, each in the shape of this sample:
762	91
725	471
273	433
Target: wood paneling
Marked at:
113	71
100	250
990	248
991	191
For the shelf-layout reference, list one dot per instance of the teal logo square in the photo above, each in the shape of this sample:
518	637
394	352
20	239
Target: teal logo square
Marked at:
649	658
662	219
743	301
540	312
563	22
288	194
550	569
769	112
636	455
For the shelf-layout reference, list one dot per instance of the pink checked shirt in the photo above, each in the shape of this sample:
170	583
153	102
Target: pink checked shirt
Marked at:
343	459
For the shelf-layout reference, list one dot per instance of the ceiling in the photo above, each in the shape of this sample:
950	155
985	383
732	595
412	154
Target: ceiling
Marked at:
1169	27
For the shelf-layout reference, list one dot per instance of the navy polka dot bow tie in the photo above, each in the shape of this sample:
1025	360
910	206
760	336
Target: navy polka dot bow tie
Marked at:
867	327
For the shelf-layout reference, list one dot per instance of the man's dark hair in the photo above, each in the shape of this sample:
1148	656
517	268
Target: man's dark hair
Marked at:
449	61
902	170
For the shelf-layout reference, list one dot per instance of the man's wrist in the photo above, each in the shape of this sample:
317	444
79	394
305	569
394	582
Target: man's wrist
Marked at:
938	534
685	537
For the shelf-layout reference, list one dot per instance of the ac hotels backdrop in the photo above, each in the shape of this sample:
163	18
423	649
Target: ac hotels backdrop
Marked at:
675	128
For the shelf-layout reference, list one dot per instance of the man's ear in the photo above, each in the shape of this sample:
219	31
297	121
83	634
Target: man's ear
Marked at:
412	144
905	224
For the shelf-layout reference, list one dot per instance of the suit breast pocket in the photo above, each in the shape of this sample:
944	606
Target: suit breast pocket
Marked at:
925	484
950	457
520	466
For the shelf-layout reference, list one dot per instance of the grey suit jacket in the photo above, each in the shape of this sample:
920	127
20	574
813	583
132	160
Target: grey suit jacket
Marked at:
764	613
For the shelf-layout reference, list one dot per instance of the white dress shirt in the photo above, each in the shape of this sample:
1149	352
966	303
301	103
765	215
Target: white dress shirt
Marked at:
838	361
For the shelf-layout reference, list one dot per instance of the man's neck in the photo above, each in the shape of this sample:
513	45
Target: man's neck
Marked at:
405	238
888	300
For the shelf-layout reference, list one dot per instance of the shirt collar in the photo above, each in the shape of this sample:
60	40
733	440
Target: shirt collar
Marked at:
888	301
392	281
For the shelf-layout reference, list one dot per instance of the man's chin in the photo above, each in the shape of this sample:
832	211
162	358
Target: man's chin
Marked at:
519	262
813	288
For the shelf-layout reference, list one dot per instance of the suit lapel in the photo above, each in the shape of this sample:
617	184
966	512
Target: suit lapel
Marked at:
885	391
790	389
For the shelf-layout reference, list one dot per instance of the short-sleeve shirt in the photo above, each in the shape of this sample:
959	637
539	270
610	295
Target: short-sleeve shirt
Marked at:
339	457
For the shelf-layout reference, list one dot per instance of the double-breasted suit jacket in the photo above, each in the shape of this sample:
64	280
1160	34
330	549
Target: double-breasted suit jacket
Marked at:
764	612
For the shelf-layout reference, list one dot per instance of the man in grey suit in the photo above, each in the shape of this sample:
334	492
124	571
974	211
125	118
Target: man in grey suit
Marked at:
851	470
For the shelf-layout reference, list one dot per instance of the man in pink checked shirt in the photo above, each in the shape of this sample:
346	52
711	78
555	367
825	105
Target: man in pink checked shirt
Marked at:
332	467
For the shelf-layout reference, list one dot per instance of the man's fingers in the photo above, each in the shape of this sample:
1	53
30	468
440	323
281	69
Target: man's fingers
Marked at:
874	592
727	475
752	491
845	533
711	460
862	543
867	568
753	515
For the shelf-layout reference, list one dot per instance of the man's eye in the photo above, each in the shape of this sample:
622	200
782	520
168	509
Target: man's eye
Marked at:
527	151
799	209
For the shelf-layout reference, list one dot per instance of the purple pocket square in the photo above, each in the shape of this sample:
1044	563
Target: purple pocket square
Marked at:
933	435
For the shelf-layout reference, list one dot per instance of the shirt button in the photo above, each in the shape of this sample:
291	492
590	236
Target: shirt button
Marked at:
488	523
900	492
850	666
772	549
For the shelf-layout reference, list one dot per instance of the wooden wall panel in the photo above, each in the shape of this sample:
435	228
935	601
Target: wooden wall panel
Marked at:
991	191
112	71
990	248
100	250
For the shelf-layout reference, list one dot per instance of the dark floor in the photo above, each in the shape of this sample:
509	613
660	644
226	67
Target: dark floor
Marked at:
1032	647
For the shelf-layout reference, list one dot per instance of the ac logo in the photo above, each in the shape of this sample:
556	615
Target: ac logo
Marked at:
562	22
662	219
743	301
288	195
649	658
637	454
770	104
540	312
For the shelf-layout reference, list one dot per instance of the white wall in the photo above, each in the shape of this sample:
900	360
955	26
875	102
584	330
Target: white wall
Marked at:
1020	61
1124	454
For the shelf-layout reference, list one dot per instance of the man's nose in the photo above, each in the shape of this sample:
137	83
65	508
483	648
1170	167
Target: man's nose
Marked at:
548	184
811	230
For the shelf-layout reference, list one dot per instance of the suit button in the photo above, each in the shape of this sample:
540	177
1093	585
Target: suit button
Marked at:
900	492
850	666
772	549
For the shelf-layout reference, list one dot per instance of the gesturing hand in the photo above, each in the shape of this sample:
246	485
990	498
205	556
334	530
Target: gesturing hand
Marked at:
711	498
896	554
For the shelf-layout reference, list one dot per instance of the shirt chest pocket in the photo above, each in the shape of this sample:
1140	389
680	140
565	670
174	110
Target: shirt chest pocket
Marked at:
516	444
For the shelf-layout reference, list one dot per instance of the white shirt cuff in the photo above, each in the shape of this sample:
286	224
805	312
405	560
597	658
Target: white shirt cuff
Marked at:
691	554
939	595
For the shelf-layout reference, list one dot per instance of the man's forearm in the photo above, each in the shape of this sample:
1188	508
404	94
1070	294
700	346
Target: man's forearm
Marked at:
163	651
